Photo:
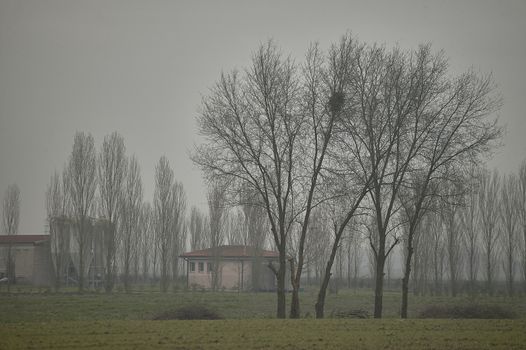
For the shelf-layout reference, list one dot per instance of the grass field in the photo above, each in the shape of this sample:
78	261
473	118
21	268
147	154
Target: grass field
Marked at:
267	334
97	320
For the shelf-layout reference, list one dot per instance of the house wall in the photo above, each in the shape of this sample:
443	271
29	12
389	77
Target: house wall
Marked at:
234	275
32	263
42	265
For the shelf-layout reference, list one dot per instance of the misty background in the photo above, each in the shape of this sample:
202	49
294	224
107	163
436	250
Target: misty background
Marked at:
141	67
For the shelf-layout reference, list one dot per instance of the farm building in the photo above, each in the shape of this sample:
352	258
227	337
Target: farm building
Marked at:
231	267
32	258
38	256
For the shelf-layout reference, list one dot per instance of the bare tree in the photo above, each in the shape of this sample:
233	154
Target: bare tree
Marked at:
251	126
255	230
488	206
386	141
11	219
234	221
216	198
57	206
509	205
446	125
163	206
197	229
469	223
353	244
82	174
146	239
112	168
453	236
178	226
438	252
522	214
130	214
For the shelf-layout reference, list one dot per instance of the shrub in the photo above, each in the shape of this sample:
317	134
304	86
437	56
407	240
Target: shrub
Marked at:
189	312
467	311
354	313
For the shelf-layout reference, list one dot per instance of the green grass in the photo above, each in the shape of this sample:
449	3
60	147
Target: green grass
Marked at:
38	320
267	334
23	307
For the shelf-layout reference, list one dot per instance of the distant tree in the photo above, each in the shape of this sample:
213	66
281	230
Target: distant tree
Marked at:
112	167
178	226
453	235
255	231
82	177
488	206
217	209
354	247
130	215
438	253
57	207
509	218
197	229
469	224
522	215
163	206
146	239
11	219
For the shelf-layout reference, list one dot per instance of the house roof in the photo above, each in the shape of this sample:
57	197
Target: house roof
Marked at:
231	251
27	239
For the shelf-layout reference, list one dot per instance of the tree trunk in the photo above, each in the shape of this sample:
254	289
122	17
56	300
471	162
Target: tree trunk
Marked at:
295	302
379	284
320	303
280	276
405	279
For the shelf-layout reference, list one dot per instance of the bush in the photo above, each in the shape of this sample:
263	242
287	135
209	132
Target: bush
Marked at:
189	312
355	313
467	311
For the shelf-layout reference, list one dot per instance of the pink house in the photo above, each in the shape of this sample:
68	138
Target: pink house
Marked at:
231	267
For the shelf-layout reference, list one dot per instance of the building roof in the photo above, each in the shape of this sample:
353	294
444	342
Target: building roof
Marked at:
231	251
20	239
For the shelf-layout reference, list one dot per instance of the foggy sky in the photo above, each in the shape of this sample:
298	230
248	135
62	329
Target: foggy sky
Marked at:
141	67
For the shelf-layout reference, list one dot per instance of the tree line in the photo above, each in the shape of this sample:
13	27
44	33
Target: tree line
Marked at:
358	145
358	132
96	207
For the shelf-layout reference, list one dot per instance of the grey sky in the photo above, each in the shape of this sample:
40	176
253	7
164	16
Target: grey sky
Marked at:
140	68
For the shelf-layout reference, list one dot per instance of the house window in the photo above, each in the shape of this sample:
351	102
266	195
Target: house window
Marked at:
209	267
192	267
201	266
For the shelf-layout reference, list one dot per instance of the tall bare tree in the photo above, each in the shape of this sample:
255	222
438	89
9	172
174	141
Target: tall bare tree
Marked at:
447	123
453	236
163	206
82	176
509	218
438	253
57	207
197	229
217	210
488	206
10	221
146	239
252	126
522	214
469	224
130	213
254	233
178	226
112	168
